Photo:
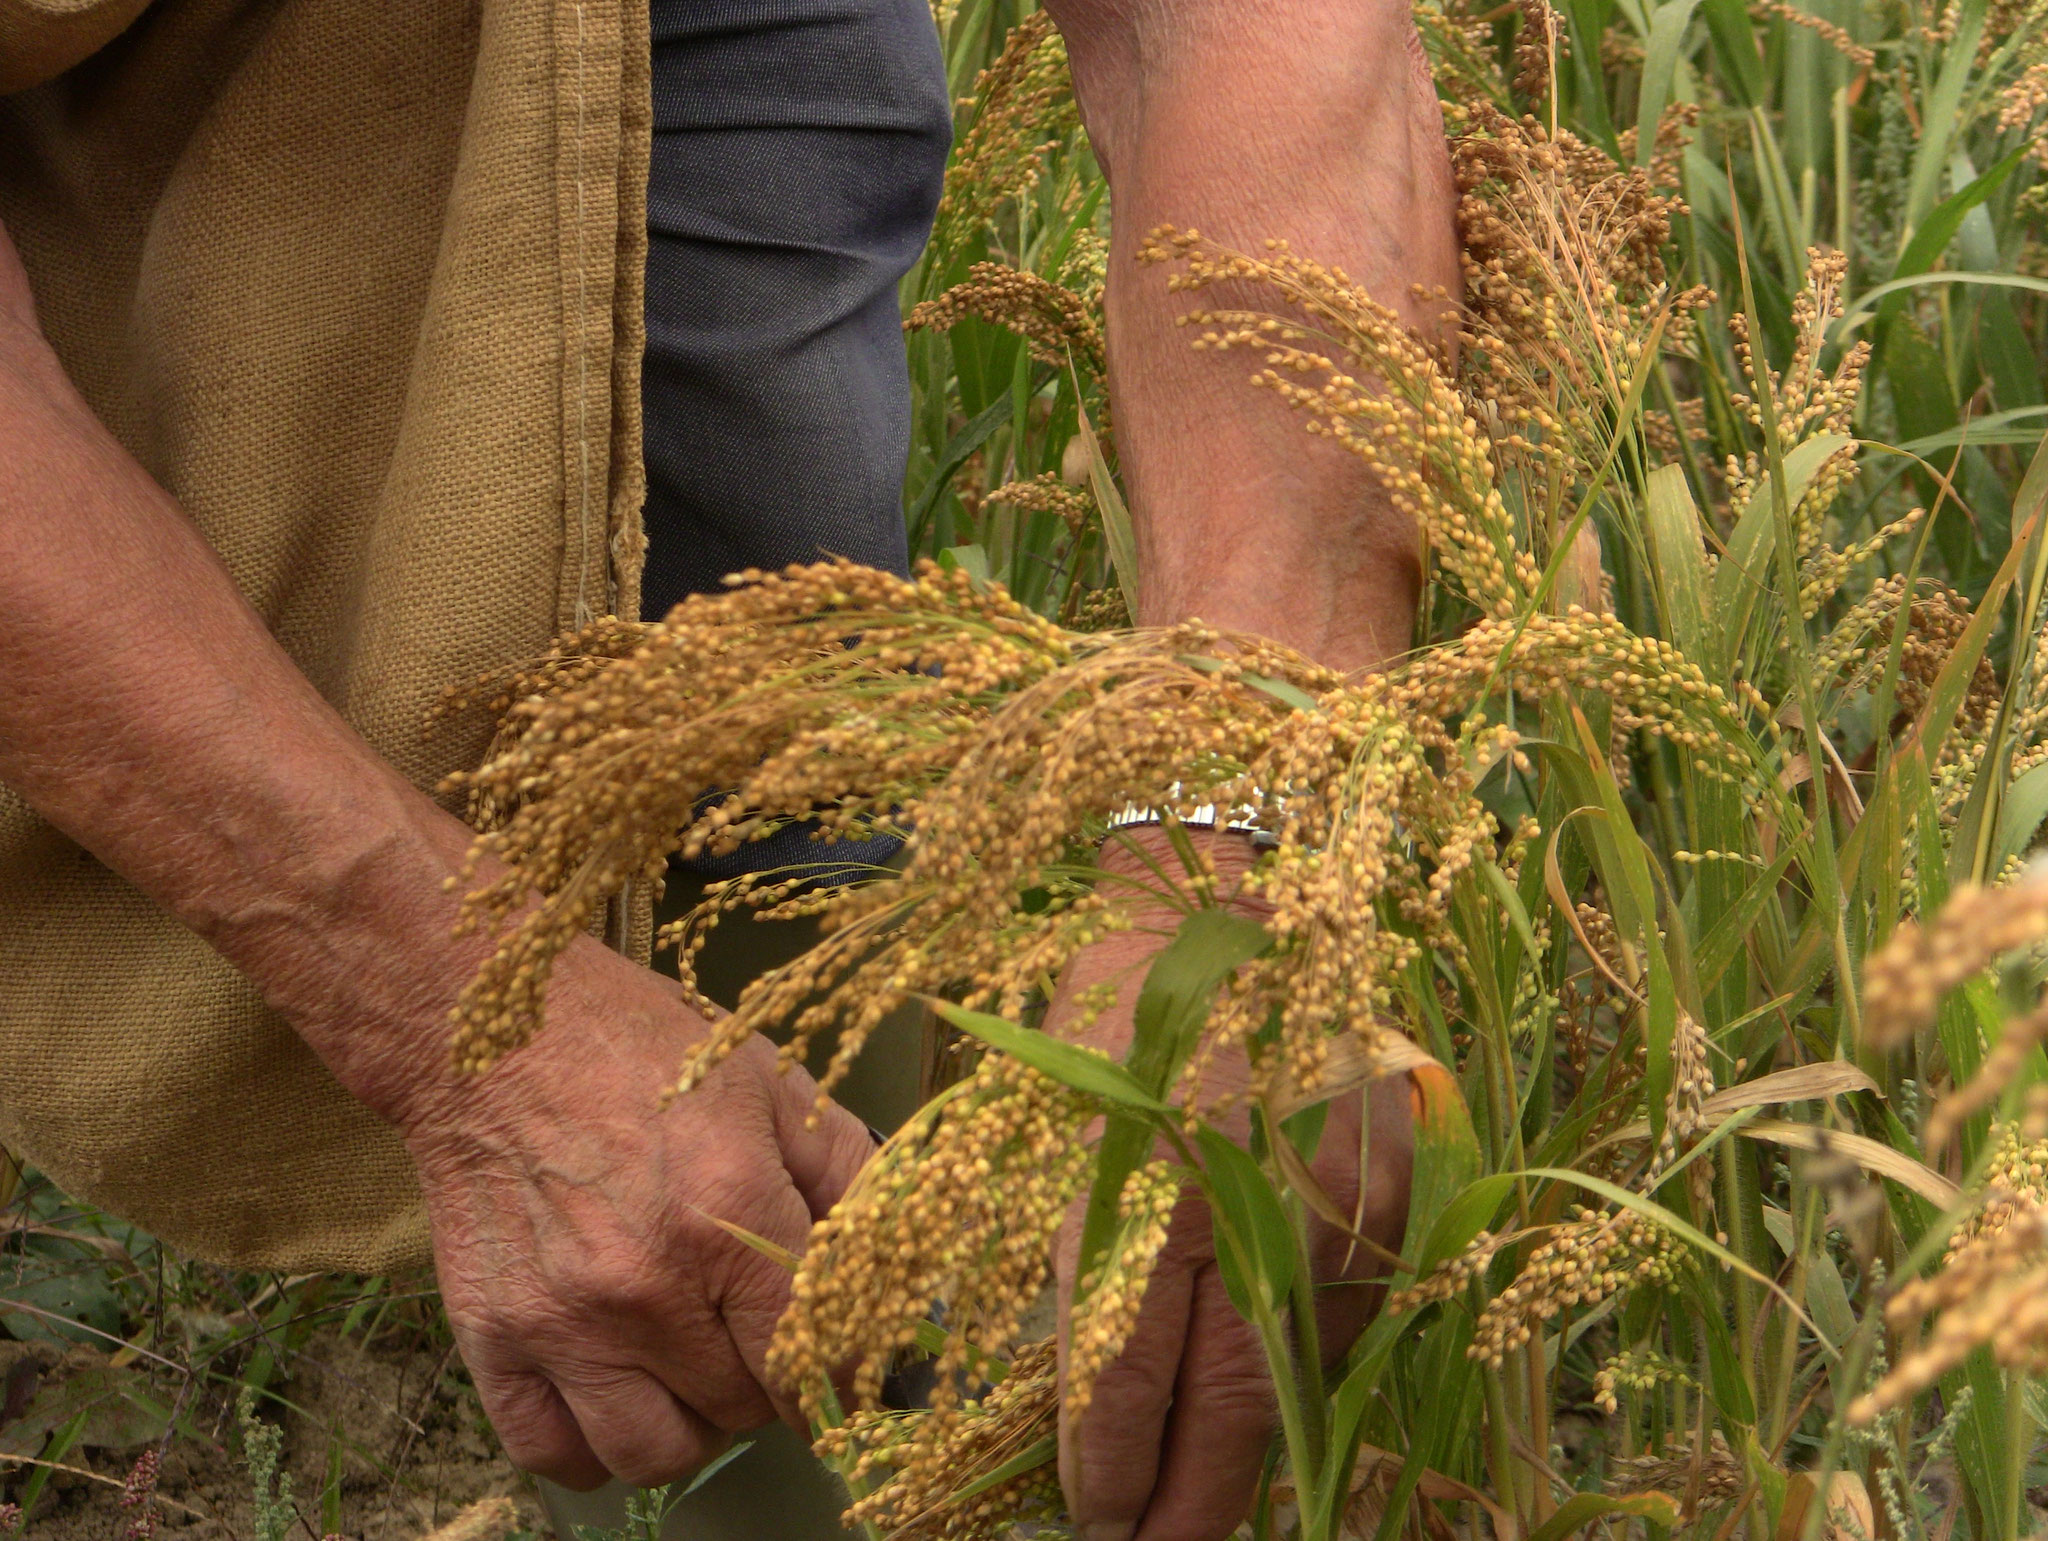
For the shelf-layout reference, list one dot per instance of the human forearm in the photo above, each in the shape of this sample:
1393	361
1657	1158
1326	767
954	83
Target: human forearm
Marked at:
147	711
1304	120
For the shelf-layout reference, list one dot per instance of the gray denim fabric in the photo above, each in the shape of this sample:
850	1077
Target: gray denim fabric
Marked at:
799	147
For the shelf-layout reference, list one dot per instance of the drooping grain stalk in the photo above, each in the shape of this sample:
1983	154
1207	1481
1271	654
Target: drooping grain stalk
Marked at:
1712	691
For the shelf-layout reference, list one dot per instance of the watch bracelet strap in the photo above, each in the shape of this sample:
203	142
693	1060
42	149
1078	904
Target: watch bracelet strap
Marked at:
1242	820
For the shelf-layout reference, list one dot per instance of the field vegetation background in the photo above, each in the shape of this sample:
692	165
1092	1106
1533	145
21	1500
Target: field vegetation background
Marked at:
1683	864
1800	431
1739	1187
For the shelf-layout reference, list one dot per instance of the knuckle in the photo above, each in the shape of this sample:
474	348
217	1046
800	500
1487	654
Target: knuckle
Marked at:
1127	1404
503	1321
654	1468
534	1429
621	1412
512	1334
527	1436
754	1303
733	1185
1190	1237
1111	1481
1237	1398
736	1406
550	1456
612	1284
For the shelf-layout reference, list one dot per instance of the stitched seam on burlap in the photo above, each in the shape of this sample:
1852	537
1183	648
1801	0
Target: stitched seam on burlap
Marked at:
582	344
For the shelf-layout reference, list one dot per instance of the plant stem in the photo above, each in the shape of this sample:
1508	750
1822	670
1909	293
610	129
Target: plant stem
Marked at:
1499	1448
1308	1353
833	1417
1287	1391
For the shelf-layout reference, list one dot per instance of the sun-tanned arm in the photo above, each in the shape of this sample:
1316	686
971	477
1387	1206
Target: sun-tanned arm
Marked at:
1311	121
608	1325
148	713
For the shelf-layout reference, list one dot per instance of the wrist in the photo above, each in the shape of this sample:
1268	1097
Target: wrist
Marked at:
347	927
1135	858
1238	819
1141	852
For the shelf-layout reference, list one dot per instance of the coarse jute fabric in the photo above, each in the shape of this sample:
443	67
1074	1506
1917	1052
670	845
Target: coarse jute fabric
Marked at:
359	283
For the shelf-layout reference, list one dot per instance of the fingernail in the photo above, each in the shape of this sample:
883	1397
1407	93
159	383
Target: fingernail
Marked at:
1108	1530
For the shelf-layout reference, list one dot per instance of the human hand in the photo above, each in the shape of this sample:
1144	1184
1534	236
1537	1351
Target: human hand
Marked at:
1172	1442
610	1325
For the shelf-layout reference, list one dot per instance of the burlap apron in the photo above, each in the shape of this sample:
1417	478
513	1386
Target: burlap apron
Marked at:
359	283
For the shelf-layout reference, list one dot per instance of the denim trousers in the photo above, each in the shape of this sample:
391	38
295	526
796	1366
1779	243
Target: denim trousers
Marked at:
798	151
799	147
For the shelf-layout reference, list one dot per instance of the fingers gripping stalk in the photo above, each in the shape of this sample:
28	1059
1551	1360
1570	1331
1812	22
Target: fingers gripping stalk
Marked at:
1171	1436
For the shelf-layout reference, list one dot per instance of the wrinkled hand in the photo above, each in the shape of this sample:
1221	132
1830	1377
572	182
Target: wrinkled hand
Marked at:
610	1326
1171	1445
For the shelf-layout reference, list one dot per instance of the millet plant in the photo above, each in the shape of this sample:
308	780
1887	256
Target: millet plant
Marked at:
1679	867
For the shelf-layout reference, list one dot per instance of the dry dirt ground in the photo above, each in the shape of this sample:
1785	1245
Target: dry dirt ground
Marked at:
395	1431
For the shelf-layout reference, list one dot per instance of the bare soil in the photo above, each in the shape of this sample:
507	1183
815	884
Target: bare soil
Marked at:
396	1431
